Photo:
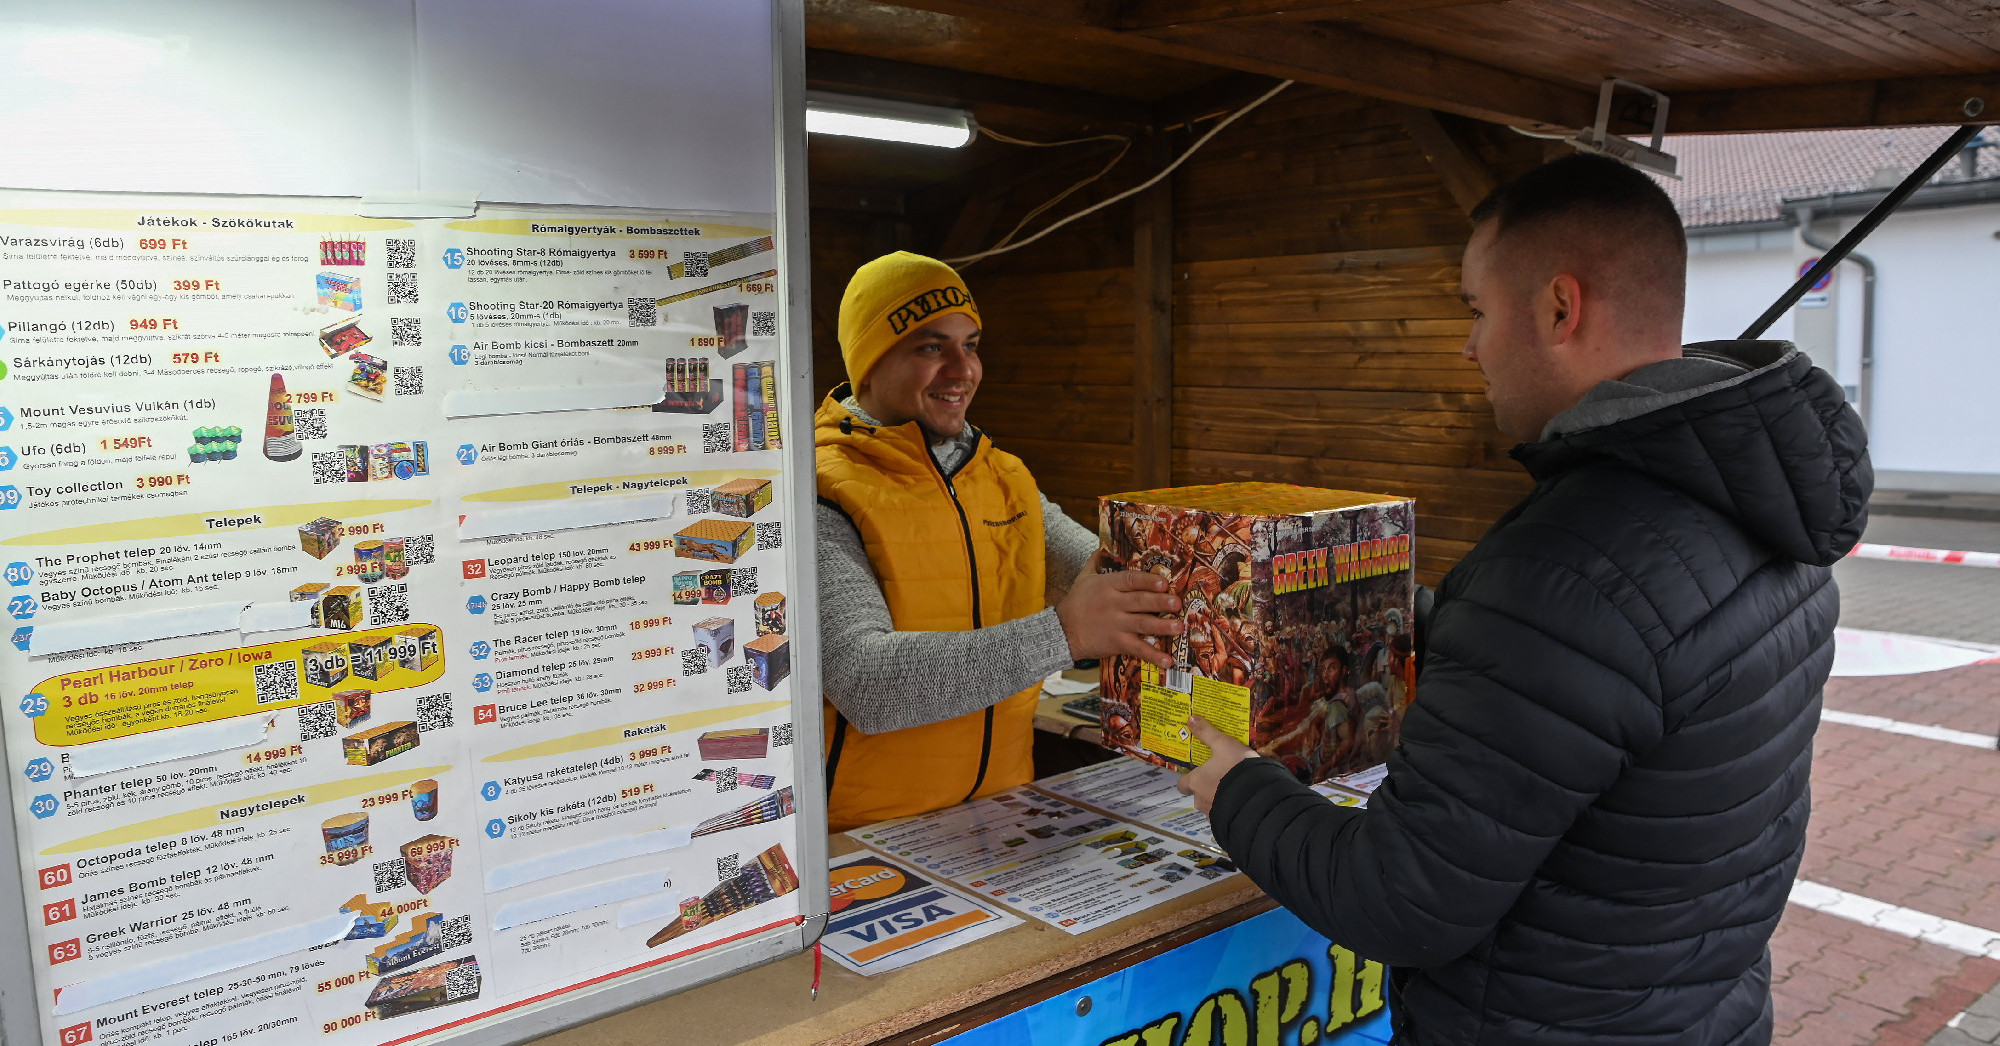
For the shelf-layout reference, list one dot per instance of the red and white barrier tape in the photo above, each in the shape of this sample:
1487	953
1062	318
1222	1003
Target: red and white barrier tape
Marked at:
1866	550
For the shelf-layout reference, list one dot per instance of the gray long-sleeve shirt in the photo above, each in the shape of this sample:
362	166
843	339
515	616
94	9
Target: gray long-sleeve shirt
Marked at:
882	679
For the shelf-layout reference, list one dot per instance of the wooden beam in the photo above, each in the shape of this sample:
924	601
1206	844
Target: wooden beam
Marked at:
1332	56
1153	315
1859	103
910	81
1465	175
1156	14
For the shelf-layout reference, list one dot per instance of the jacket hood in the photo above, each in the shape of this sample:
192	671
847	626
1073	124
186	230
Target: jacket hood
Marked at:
1773	444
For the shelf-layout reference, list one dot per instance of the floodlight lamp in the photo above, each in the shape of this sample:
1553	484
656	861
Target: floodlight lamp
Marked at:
854	117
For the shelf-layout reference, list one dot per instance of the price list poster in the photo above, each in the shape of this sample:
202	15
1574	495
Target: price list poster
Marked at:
399	622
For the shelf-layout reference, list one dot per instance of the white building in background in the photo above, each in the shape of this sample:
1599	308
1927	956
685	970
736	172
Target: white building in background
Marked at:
1924	370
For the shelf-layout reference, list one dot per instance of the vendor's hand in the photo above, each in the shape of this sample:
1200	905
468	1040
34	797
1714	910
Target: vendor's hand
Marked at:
1107	614
1224	753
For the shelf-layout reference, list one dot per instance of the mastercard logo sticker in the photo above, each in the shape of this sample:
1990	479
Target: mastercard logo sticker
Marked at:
854	883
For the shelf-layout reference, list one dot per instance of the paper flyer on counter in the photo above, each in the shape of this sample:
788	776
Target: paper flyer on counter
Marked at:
887	916
1135	791
1064	865
399	607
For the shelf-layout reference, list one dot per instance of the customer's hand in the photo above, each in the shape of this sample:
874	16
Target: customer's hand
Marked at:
1224	753
1109	614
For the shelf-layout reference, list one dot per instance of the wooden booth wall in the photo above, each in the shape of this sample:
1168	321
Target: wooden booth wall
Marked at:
1315	329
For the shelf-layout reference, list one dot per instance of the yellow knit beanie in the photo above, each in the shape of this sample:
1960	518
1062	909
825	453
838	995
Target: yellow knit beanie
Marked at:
888	298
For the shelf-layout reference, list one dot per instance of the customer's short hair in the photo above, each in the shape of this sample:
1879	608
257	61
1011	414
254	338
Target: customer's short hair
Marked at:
1602	220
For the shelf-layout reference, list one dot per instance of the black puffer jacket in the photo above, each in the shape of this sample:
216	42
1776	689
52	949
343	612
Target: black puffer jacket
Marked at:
1599	801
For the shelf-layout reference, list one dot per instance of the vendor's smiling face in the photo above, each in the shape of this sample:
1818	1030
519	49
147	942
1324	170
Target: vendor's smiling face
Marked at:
928	377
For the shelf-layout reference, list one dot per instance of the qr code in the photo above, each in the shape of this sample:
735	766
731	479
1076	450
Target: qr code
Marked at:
727	866
317	720
309	423
402	288
694	660
420	550
739	680
389	605
695	262
455	933
641	312
409	381
433	712
406	332
715	438
781	735
763	324
390	874
698	501
402	253
770	535
743	581
461	982
329	466
725	779
276	683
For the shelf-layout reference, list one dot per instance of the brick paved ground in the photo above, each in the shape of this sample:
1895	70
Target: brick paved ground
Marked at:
1901	819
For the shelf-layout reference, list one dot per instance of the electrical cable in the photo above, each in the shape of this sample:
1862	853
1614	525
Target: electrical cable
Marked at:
1003	247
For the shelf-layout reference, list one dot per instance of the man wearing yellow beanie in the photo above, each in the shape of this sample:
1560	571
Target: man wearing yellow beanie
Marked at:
949	587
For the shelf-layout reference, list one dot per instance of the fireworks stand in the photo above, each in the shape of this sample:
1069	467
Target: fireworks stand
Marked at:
407	495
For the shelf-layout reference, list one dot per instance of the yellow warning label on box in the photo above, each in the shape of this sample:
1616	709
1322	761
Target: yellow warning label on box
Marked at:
100	704
1164	711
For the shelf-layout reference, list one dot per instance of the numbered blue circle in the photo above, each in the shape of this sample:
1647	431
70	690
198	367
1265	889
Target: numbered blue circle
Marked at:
458	312
23	608
482	682
7	458
489	791
44	806
453	258
10	497
477	604
481	650
496	828
34	705
39	769
460	355
19	573
467	453
23	636
6	419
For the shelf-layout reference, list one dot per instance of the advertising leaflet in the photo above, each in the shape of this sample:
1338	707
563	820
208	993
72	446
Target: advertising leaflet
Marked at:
886	916
1057	862
345	676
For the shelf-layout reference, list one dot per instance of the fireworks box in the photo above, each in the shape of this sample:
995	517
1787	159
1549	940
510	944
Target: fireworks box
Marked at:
427	861
718	634
310	593
687	589
734	744
741	497
770	659
418	647
324	664
770	613
455	980
383	742
340	609
421	941
716	540
1298	604
320	537
372	658
716	586
352	706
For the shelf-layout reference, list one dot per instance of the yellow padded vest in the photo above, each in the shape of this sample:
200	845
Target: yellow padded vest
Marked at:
928	537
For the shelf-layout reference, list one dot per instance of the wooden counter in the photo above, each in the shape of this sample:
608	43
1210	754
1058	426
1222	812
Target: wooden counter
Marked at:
922	1003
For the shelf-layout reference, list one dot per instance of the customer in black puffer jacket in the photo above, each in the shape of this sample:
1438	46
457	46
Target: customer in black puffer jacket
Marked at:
1598	805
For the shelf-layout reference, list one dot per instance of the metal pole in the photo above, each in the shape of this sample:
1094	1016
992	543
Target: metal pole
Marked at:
1861	229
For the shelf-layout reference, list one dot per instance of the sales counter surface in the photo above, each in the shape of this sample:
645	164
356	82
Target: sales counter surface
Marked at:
925	1002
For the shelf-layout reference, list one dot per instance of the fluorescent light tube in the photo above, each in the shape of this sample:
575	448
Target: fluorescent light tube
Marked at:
887	121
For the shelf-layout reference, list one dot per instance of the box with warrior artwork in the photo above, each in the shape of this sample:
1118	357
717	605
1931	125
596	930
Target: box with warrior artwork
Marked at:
1298	604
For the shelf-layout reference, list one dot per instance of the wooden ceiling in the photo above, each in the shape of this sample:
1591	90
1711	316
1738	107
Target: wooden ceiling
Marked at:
1729	65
